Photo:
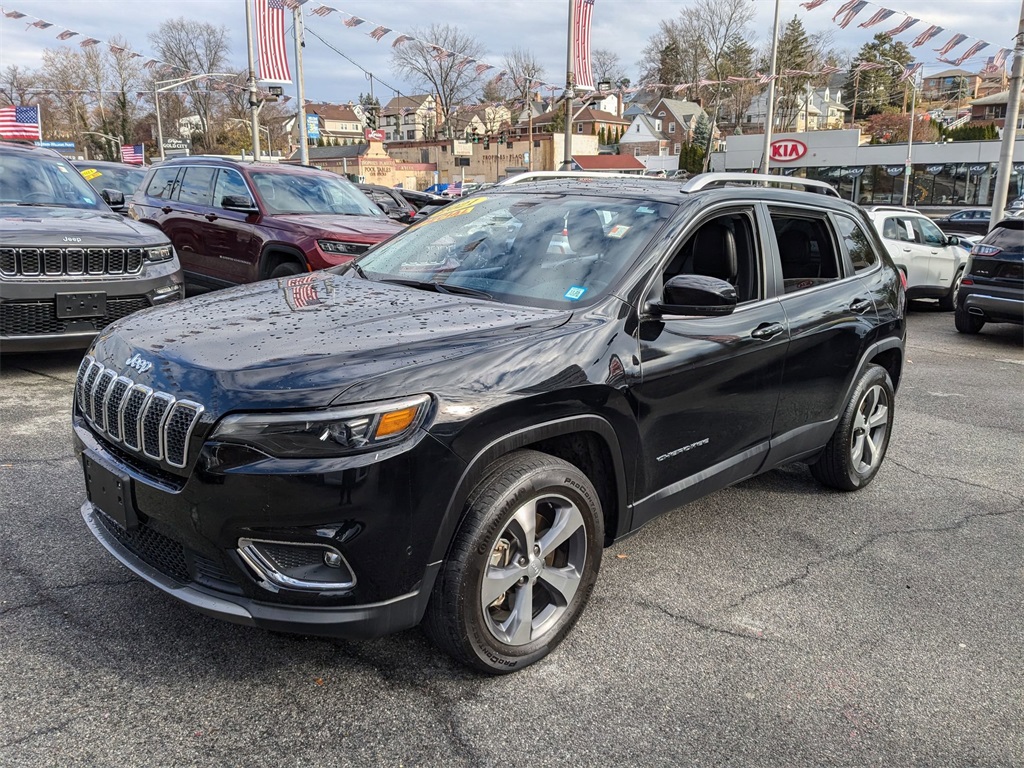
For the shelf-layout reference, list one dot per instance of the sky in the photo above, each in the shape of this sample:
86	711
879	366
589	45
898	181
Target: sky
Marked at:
500	25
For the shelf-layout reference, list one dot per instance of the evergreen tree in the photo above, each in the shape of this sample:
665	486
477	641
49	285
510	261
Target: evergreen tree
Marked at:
602	136
795	53
877	88
702	131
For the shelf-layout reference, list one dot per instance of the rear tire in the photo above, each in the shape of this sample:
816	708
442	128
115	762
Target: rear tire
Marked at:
854	455
966	322
522	566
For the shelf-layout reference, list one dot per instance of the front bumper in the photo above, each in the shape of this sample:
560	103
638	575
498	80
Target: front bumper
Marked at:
28	307
352	621
381	512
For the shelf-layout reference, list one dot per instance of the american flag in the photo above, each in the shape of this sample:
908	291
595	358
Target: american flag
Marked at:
273	55
583	74
14	14
353	21
401	39
20	123
996	63
850	9
89	41
910	71
379	32
878	18
67	34
302	291
323	10
902	27
954	41
40	24
970	52
481	68
925	36
810	5
133	154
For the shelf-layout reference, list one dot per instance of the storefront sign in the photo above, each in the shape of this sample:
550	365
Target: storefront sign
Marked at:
935	170
787	150
313	126
979	168
372	135
894	170
462	148
853	173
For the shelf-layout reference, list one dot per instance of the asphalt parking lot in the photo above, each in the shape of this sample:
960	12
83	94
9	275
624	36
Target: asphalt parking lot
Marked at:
773	623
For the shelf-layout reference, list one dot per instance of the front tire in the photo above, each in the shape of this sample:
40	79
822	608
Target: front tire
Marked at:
286	269
522	566
948	302
854	455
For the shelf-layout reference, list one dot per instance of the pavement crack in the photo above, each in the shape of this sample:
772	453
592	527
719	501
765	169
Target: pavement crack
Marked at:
851	553
41	732
920	473
46	375
703	625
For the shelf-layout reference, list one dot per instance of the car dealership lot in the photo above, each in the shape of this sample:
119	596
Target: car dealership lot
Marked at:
772	623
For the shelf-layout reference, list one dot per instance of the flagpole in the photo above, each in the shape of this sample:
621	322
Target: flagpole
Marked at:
300	86
1005	166
769	113
569	94
254	104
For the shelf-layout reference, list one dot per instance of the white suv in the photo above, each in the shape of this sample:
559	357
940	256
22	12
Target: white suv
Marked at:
931	260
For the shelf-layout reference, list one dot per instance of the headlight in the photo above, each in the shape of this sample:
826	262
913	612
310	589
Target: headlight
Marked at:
347	249
159	253
332	432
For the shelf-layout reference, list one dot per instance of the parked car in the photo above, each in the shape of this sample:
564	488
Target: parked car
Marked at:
992	288
453	426
974	220
436	189
237	222
930	260
389	200
69	265
102	174
420	199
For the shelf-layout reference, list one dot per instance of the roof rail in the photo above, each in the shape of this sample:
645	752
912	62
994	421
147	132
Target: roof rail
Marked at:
890	207
704	180
535	175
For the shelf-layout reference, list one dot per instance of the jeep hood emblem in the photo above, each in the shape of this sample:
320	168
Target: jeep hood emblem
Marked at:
139	363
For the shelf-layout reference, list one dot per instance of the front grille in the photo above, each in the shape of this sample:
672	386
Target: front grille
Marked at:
60	262
155	423
39	318
151	546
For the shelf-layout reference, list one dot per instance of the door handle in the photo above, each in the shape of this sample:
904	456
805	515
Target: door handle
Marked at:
210	216
906	250
166	209
767	330
860	306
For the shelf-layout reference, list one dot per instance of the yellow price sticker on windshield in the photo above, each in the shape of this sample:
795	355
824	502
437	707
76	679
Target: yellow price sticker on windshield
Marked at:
455	209
90	174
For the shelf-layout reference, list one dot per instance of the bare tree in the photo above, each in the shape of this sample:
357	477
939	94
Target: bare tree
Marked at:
64	75
434	62
670	58
607	67
194	47
522	67
16	84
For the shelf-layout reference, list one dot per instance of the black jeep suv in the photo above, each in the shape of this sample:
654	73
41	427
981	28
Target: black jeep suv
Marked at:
992	287
454	425
69	265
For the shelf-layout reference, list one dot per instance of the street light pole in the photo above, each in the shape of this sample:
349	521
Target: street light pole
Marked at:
254	103
570	74
169	85
910	140
769	113
116	139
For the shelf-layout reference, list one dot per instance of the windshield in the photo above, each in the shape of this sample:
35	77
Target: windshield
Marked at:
322	193
38	178
548	250
125	180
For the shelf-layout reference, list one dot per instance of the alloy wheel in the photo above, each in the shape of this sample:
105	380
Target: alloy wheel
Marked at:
869	429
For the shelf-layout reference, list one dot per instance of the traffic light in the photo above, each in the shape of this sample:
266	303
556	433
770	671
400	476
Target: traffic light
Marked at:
371	117
475	139
487	142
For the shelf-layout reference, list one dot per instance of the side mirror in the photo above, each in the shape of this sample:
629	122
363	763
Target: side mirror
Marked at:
240	203
696	295
952	240
113	198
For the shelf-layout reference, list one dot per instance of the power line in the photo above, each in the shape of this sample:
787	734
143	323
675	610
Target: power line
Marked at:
354	63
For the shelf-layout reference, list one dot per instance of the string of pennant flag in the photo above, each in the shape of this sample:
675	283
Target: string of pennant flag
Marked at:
850	9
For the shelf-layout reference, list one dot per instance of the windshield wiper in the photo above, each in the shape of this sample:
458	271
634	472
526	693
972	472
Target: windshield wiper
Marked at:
358	270
438	287
44	205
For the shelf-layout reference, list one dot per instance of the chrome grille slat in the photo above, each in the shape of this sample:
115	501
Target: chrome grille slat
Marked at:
56	262
156	424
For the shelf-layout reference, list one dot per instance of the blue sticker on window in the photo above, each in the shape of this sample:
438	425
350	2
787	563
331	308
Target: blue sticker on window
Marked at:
575	293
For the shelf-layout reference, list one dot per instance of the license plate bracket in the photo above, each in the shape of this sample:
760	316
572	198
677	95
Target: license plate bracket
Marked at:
71	305
111	491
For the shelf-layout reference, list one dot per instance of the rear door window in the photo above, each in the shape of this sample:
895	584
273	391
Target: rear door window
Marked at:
808	251
163	184
197	185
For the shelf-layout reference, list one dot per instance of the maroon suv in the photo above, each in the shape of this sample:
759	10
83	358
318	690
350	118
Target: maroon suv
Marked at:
236	222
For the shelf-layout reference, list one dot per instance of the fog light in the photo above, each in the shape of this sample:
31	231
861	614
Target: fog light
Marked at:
333	559
301	566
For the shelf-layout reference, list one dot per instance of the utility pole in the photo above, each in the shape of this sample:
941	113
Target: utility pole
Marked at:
1009	126
300	86
570	85
908	168
856	92
769	112
254	102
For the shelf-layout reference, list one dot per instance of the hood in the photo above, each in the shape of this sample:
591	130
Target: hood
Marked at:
72	227
301	341
368	229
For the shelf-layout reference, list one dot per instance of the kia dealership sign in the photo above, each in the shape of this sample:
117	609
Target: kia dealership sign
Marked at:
374	135
787	150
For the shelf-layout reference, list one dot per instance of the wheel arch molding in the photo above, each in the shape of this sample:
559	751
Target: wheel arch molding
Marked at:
589	439
274	254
